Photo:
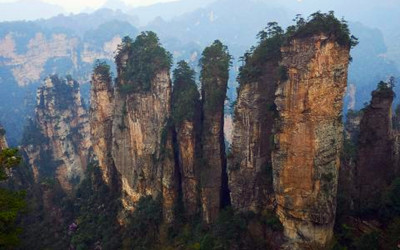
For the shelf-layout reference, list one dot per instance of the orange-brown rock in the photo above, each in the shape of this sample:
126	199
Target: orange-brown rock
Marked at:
142	144
374	168
101	119
309	138
187	141
250	168
62	126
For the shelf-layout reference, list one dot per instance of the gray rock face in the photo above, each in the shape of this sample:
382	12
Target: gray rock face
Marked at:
375	169
250	168
63	124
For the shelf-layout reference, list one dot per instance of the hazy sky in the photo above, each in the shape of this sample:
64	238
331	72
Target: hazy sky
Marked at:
78	5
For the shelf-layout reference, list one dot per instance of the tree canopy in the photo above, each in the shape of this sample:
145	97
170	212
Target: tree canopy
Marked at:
102	69
185	95
145	58
214	63
325	23
11	203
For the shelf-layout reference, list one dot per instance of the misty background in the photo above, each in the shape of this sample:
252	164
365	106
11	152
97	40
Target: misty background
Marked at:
38	38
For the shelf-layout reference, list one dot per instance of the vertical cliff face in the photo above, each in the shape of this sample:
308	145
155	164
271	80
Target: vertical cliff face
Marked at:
59	133
101	118
309	137
186	119
347	172
142	136
214	80
375	169
250	167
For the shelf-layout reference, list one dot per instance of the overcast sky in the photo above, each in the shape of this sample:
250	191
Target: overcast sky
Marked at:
78	5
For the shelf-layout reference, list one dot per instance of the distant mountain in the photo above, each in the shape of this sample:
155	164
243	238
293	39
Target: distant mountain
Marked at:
28	10
168	10
83	22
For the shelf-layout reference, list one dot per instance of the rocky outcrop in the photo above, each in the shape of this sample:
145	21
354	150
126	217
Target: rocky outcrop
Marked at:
250	168
3	141
309	137
375	169
142	141
101	119
186	118
59	133
214	80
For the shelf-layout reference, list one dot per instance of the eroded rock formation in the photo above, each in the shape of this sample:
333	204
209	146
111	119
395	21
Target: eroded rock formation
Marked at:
250	168
375	169
186	118
309	137
101	119
142	134
214	80
58	143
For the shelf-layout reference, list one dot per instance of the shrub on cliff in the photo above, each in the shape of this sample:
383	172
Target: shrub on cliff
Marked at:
268	49
139	61
185	95
102	69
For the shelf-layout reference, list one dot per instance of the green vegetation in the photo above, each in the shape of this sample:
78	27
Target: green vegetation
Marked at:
12	203
232	230
102	69
273	37
385	88
322	23
145	58
8	158
144	224
64	92
185	95
214	63
95	213
268	49
387	213
33	135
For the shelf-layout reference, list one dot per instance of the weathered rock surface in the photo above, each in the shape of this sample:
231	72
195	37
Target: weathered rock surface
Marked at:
213	149
63	125
375	161
142	144
100	120
250	168
309	138
187	140
347	186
